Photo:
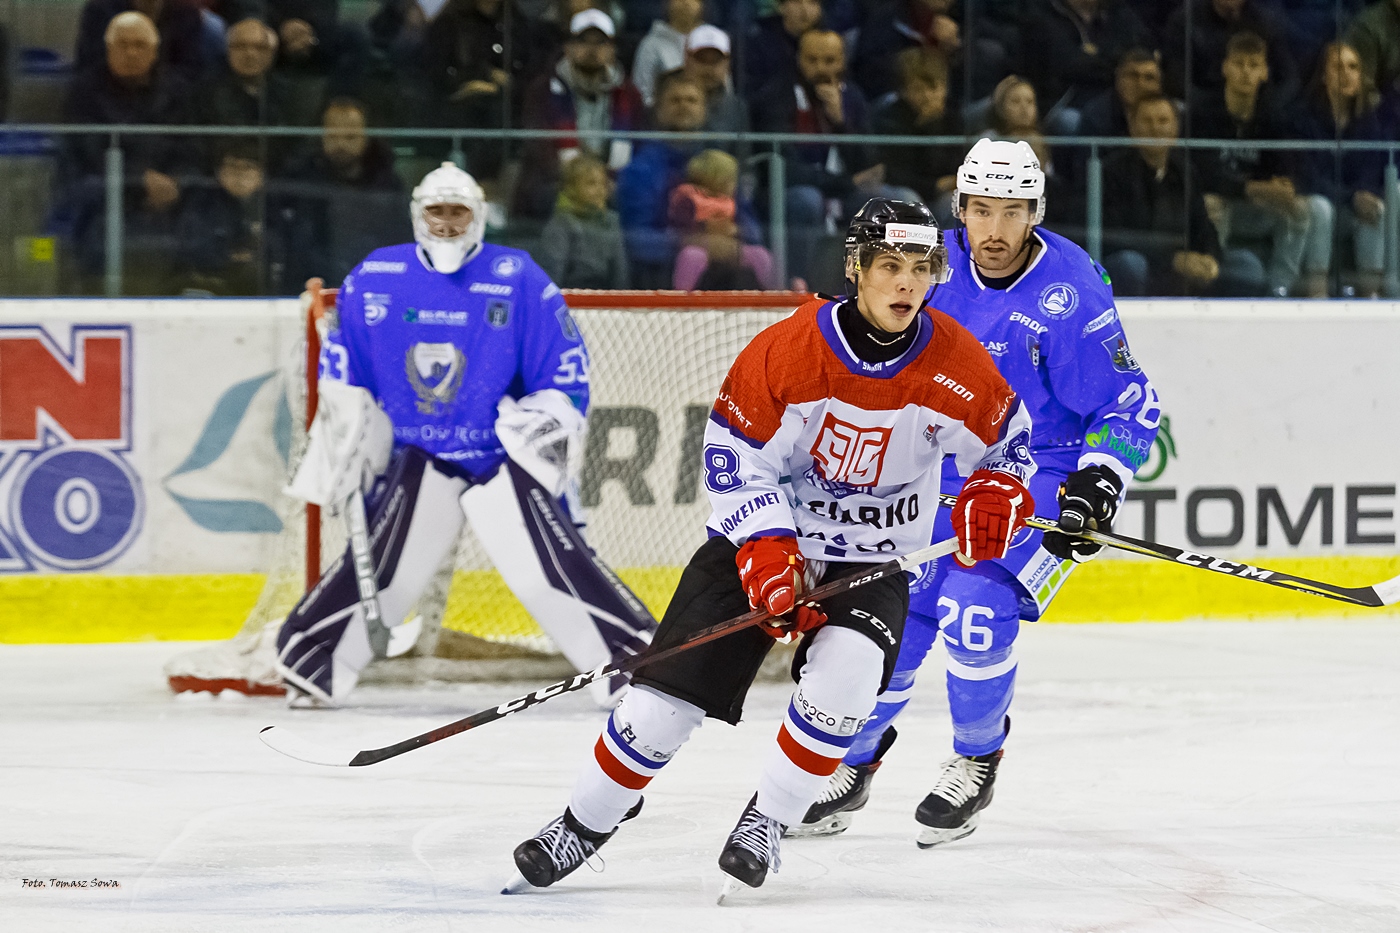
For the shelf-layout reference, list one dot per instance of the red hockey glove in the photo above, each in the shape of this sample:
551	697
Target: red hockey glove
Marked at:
991	508
770	570
803	619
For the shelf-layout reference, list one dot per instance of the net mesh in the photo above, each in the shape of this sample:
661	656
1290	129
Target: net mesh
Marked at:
657	362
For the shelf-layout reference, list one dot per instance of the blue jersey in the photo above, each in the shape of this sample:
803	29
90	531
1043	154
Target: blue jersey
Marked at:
1057	339
439	351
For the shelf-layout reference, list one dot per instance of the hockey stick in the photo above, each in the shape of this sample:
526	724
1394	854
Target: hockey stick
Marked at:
1385	593
291	745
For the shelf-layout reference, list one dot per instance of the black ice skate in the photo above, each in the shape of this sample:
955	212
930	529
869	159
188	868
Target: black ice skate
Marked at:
847	792
751	850
950	811
558	850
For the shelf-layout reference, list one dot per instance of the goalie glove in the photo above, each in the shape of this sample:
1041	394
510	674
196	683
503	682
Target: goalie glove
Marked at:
1088	500
991	508
540	432
347	447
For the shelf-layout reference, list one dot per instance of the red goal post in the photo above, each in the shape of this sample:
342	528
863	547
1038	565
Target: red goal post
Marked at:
319	301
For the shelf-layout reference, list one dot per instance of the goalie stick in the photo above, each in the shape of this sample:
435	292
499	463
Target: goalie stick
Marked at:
1385	593
293	746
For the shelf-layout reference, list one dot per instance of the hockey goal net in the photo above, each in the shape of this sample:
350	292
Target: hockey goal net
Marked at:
657	362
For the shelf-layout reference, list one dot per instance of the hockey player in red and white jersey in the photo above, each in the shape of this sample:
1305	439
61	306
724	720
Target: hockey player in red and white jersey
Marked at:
823	453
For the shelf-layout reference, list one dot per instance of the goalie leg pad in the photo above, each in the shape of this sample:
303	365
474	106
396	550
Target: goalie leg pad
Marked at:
325	642
579	602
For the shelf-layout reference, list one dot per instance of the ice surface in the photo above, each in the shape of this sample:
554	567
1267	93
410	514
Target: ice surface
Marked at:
1184	777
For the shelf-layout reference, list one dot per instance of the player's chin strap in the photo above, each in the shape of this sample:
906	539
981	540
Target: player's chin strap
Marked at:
293	746
1385	593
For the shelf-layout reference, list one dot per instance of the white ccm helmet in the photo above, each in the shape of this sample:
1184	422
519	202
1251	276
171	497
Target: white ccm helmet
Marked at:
997	168
448	184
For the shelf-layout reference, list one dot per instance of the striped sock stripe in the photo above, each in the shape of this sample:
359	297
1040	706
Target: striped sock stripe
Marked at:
618	744
794	718
616	770
803	757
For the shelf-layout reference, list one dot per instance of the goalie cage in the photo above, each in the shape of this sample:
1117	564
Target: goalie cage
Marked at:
657	362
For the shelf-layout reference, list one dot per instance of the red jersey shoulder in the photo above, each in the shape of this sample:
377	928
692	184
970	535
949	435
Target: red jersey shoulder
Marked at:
780	366
961	379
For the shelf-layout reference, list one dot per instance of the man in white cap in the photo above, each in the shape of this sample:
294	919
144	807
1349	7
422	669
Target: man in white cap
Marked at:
587	91
707	63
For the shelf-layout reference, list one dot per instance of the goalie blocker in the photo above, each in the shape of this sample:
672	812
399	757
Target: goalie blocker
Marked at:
326	640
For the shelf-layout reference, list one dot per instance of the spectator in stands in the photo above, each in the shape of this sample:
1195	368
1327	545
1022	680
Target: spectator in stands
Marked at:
772	47
824	181
707	62
702	213
1158	239
324	56
464	53
891	26
1213	23
178	23
1375	35
1137	76
129	85
1341	104
581	246
586	91
246	91
644	186
1072	46
223	239
921	109
663	48
342	200
1251	192
1014	115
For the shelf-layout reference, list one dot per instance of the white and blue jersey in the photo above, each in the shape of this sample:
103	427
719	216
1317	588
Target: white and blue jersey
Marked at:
439	351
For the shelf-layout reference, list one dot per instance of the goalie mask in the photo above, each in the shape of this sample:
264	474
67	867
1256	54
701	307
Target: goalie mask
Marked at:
448	244
998	168
888	226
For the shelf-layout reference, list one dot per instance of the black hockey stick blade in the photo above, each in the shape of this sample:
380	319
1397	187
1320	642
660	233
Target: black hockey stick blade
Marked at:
293	746
1385	593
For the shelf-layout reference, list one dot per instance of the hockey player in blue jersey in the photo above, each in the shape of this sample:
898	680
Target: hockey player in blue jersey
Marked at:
1045	312
452	374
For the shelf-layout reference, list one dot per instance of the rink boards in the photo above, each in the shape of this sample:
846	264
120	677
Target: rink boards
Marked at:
143	446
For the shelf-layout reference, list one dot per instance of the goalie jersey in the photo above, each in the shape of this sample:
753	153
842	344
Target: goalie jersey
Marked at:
439	351
807	440
1057	338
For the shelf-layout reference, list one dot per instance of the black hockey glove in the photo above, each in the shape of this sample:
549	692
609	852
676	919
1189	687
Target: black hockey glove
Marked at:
1088	502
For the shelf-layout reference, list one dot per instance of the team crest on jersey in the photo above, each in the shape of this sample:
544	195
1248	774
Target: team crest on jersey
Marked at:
435	371
1033	349
1059	299
1123	359
566	322
507	266
498	312
376	307
850	454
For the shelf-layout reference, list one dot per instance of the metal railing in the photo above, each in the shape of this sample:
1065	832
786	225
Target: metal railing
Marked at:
767	147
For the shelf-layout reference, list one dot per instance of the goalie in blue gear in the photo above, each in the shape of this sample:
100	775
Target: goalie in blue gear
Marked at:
454	384
1045	312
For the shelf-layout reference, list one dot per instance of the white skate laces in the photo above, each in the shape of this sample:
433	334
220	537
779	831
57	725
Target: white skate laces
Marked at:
566	848
840	783
760	835
961	779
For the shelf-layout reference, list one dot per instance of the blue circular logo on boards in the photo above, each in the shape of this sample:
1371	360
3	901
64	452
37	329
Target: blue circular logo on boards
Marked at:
77	508
1059	299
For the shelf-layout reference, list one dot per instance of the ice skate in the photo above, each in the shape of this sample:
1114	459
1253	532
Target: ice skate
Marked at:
751	850
847	792
558	850
950	811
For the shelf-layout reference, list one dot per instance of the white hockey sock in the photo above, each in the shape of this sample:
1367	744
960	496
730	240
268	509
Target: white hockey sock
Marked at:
642	734
835	694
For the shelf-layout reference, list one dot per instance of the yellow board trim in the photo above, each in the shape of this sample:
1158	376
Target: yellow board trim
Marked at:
92	608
